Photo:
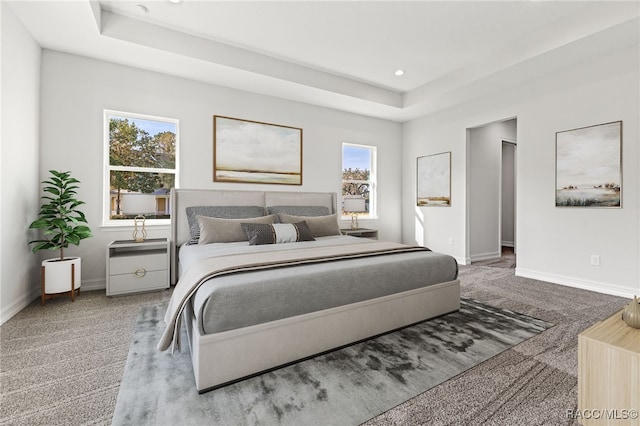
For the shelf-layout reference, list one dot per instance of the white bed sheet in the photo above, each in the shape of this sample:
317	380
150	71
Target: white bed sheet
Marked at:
189	254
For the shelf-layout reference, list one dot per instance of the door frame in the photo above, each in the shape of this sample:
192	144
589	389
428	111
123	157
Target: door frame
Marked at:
515	192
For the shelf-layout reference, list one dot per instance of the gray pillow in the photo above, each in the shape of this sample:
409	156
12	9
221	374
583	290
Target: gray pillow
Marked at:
320	226
277	233
226	212
217	230
300	210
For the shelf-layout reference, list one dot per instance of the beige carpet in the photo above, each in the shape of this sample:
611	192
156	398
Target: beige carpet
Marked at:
507	260
62	364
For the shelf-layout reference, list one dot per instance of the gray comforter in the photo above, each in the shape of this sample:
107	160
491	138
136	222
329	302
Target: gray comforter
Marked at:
252	295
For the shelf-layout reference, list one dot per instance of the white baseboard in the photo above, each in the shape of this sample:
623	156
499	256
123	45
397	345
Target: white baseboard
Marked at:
95	284
462	260
485	256
598	287
18	305
508	244
25	300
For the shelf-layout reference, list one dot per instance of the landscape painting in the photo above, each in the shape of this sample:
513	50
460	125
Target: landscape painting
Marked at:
589	166
254	152
434	180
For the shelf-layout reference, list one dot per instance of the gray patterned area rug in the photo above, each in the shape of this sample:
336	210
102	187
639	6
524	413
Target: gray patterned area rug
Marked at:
344	387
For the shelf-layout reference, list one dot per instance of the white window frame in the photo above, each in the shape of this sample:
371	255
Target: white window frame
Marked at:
106	209
373	185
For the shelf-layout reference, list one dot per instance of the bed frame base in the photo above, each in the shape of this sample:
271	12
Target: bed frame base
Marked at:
229	356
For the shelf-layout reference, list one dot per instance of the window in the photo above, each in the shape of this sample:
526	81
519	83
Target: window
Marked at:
141	167
358	180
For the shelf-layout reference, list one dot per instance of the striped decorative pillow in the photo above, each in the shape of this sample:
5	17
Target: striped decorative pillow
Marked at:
277	233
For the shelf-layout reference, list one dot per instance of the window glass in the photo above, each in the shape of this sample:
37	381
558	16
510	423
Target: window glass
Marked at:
358	180
141	156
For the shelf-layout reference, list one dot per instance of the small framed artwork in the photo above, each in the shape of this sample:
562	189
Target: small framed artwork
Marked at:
253	152
589	166
434	180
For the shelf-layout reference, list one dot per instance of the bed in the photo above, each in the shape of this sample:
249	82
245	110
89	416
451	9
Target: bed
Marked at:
251	307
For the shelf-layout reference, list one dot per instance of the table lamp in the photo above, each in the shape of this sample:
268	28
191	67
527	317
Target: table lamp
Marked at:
354	206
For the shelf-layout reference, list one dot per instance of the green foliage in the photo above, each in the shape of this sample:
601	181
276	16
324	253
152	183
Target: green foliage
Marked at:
355	182
133	147
59	219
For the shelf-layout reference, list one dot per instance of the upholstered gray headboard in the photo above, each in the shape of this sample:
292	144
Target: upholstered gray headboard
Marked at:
183	198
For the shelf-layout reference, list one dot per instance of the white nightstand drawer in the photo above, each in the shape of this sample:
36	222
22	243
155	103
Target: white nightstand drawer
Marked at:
129	283
137	266
138	261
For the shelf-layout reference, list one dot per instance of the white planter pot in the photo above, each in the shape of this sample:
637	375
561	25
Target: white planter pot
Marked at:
57	274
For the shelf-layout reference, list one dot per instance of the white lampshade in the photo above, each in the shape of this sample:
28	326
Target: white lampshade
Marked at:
134	203
354	205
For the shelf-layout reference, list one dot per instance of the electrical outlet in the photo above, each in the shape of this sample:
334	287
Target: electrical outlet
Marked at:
450	241
595	260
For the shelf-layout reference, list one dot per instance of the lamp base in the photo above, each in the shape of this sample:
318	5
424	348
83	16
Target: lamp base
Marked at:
354	222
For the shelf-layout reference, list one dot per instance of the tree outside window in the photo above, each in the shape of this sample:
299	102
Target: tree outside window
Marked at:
358	173
141	165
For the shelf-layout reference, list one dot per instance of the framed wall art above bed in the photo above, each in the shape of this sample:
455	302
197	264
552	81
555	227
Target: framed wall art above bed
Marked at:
254	152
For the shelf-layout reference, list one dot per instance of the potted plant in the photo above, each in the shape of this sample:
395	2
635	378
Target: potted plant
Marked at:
61	224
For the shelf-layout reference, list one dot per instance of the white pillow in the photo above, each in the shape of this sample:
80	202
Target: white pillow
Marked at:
320	226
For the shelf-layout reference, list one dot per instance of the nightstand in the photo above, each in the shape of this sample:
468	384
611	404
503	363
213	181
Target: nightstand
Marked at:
136	267
361	232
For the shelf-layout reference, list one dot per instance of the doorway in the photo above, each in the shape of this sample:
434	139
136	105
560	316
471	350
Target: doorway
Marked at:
508	203
491	193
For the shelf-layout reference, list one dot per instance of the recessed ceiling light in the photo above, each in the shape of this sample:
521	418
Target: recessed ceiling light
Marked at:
399	72
175	1
142	8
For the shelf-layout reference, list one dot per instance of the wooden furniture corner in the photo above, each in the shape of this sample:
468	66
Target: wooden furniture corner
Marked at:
609	373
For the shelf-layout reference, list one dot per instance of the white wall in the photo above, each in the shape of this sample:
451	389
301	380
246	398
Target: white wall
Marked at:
434	226
19	180
76	90
485	165
554	244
